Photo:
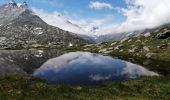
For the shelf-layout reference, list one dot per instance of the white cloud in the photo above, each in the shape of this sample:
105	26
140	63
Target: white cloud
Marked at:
100	5
73	22
56	19
99	77
142	14
132	71
88	23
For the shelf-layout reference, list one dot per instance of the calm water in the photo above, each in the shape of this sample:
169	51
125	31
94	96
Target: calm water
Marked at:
89	68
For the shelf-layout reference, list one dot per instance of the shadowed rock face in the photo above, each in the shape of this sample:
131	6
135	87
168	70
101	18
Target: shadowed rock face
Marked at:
87	68
21	28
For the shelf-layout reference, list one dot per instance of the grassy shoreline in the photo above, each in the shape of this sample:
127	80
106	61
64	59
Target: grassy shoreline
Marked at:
25	87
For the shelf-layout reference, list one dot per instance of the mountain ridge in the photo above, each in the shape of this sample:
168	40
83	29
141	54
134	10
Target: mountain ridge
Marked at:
22	28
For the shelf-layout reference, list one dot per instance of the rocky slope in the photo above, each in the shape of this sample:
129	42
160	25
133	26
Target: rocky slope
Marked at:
25	61
21	28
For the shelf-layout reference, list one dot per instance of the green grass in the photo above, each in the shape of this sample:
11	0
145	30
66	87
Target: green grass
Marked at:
19	87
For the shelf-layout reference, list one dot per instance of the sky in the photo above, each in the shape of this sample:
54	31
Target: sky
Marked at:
111	16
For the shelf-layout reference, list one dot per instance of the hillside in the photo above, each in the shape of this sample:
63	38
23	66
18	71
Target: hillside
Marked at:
150	49
21	28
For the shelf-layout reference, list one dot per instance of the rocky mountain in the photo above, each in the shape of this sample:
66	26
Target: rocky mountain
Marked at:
21	28
93	30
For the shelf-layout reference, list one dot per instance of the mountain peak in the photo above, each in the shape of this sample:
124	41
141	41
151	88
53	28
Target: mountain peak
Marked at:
11	11
13	4
94	29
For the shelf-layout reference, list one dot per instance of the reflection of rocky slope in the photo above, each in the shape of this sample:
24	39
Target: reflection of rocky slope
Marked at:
20	28
26	60
9	67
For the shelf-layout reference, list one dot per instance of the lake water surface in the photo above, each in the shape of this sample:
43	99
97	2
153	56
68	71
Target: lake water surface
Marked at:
89	68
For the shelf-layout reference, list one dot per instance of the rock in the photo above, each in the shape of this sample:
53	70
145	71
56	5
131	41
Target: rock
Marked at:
146	49
118	47
149	55
147	34
163	35
114	43
163	46
130	40
138	41
146	62
103	50
123	40
132	50
121	50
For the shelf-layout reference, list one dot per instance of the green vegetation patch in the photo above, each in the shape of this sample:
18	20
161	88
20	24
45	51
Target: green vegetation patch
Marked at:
23	87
